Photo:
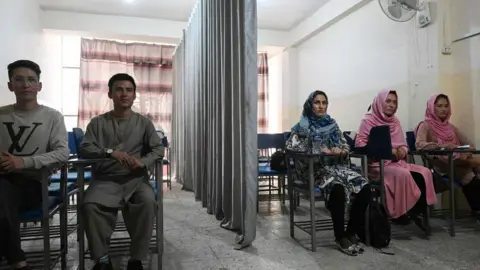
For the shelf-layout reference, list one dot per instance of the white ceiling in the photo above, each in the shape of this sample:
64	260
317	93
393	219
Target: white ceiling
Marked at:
272	14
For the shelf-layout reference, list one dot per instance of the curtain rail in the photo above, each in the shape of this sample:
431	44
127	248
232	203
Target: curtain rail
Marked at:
467	37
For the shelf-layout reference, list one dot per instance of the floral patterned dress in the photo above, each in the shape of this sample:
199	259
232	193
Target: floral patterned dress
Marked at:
329	172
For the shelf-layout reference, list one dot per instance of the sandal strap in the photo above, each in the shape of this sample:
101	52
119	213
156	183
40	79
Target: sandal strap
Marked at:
350	250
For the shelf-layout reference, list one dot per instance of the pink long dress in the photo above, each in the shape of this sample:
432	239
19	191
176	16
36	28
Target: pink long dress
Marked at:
401	190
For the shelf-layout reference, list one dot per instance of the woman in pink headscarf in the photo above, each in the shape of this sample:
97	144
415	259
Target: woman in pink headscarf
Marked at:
437	132
409	187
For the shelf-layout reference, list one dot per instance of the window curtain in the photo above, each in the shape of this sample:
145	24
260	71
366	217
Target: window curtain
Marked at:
262	62
149	64
215	115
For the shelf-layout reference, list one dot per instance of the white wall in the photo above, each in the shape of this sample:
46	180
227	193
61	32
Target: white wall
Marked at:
122	27
461	71
475	71
362	54
327	15
21	38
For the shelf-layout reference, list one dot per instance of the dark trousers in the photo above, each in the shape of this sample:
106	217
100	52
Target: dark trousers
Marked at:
16	195
336	206
472	194
421	204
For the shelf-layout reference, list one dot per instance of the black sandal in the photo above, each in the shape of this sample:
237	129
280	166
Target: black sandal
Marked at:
347	247
356	243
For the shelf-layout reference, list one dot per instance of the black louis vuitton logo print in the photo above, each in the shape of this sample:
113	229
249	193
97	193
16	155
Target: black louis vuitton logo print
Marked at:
21	138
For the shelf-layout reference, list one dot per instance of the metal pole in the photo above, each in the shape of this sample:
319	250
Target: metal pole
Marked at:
45	219
63	217
159	221
81	228
311	181
451	175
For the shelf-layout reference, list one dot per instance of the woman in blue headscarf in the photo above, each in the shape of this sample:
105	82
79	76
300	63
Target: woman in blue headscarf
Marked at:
341	186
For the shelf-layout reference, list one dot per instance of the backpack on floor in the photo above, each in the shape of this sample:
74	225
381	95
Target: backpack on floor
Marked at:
379	227
277	161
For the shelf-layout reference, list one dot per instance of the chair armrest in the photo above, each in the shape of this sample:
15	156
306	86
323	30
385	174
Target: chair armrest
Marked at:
55	166
364	161
417	153
360	150
49	167
356	155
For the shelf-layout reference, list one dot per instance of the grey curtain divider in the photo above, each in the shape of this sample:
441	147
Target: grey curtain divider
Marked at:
214	129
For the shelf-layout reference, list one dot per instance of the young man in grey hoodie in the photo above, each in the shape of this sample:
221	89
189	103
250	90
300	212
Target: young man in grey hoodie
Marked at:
32	136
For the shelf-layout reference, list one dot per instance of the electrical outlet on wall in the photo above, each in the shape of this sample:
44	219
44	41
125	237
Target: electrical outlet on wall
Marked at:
447	50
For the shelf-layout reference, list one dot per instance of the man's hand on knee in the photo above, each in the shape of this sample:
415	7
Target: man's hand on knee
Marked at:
10	162
134	163
127	160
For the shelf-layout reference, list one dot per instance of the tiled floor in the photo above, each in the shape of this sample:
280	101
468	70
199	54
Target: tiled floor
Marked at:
194	240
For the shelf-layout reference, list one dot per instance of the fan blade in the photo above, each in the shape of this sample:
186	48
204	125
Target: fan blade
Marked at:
395	11
411	4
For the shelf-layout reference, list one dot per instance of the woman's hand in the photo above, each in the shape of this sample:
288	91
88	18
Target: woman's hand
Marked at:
401	153
395	153
465	156
448	146
336	151
326	151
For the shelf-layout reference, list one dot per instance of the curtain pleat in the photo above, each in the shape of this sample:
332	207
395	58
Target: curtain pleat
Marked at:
214	125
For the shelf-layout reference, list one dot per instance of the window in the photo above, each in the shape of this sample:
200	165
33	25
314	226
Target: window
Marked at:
70	122
71	50
70	90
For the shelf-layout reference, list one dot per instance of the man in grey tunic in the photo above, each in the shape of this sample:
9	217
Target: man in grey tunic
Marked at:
132	142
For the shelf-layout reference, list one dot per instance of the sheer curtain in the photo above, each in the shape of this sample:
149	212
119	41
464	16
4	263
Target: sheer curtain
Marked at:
149	64
215	112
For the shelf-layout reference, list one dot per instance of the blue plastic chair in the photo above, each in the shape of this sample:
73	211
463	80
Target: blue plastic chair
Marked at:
271	141
350	140
267	142
36	214
166	145
72	146
166	161
78	135
54	204
54	189
71	177
351	144
265	170
266	145
410	136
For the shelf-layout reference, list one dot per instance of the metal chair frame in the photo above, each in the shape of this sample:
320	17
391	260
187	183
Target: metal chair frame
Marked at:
48	258
120	245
